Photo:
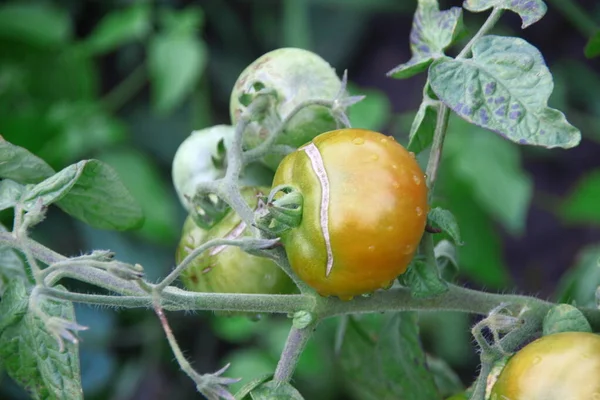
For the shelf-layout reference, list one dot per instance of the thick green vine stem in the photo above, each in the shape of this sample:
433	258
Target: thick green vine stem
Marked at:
294	346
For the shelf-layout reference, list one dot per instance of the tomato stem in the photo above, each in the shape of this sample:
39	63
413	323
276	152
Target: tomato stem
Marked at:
294	346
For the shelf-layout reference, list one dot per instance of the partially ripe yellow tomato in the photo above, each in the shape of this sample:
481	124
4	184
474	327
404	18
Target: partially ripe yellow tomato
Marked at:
364	211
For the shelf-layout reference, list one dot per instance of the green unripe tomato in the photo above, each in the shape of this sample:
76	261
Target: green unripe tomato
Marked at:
363	214
562	366
198	160
229	269
295	75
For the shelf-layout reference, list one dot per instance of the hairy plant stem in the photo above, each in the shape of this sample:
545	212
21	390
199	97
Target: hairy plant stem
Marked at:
294	346
435	155
489	23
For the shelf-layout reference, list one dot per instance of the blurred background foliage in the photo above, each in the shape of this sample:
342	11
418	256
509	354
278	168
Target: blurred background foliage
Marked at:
126	81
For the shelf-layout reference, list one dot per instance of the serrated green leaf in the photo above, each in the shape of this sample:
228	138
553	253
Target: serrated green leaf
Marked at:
423	127
276	391
118	28
176	64
492	168
583	203
530	11
31	355
592	48
494	90
91	192
432	32
386	364
423	279
19	165
244	392
10	193
12	268
35	23
447	259
446	380
446	221
13	306
141	176
185	22
565	318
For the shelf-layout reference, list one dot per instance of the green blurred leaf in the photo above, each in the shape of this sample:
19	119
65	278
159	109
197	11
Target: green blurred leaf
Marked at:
388	364
423	279
12	268
565	318
35	23
244	392
494	90
446	380
423	126
530	11
276	391
184	22
491	167
432	32
236	329
249	364
592	48
579	284
373	112
118	28
10	193
583	203
18	164
141	176
481	256
31	355
447	259
446	221
176	63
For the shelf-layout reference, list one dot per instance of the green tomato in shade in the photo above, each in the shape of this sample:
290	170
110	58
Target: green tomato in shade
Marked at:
295	76
229	269
200	158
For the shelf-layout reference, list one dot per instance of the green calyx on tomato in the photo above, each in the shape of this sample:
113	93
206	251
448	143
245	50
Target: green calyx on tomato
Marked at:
560	366
364	209
229	269
282	213
292	76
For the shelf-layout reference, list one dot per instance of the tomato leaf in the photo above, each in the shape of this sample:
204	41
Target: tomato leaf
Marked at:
35	23
91	192
446	380
371	113
582	204
276	391
12	268
31	355
423	279
118	28
423	127
176	62
592	48
446	221
20	165
447	259
530	11
565	318
492	168
493	90
10	193
386	364
579	284
244	392
141	176
432	32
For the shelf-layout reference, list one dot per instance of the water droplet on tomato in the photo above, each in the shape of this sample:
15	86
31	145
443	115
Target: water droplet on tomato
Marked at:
383	140
393	138
394	166
536	360
371	248
358	141
374	157
396	185
388	285
408	249
390	228
419	211
417	180
411	154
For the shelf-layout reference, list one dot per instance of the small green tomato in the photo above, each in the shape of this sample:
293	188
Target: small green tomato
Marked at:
295	76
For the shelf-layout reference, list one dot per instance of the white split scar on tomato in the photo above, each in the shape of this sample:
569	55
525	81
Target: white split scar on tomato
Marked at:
235	233
319	168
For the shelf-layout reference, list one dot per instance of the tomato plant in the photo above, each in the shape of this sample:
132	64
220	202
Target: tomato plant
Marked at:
229	269
558	366
364	211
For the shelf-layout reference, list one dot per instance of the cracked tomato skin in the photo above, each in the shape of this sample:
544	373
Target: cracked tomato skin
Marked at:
364	211
562	366
229	269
